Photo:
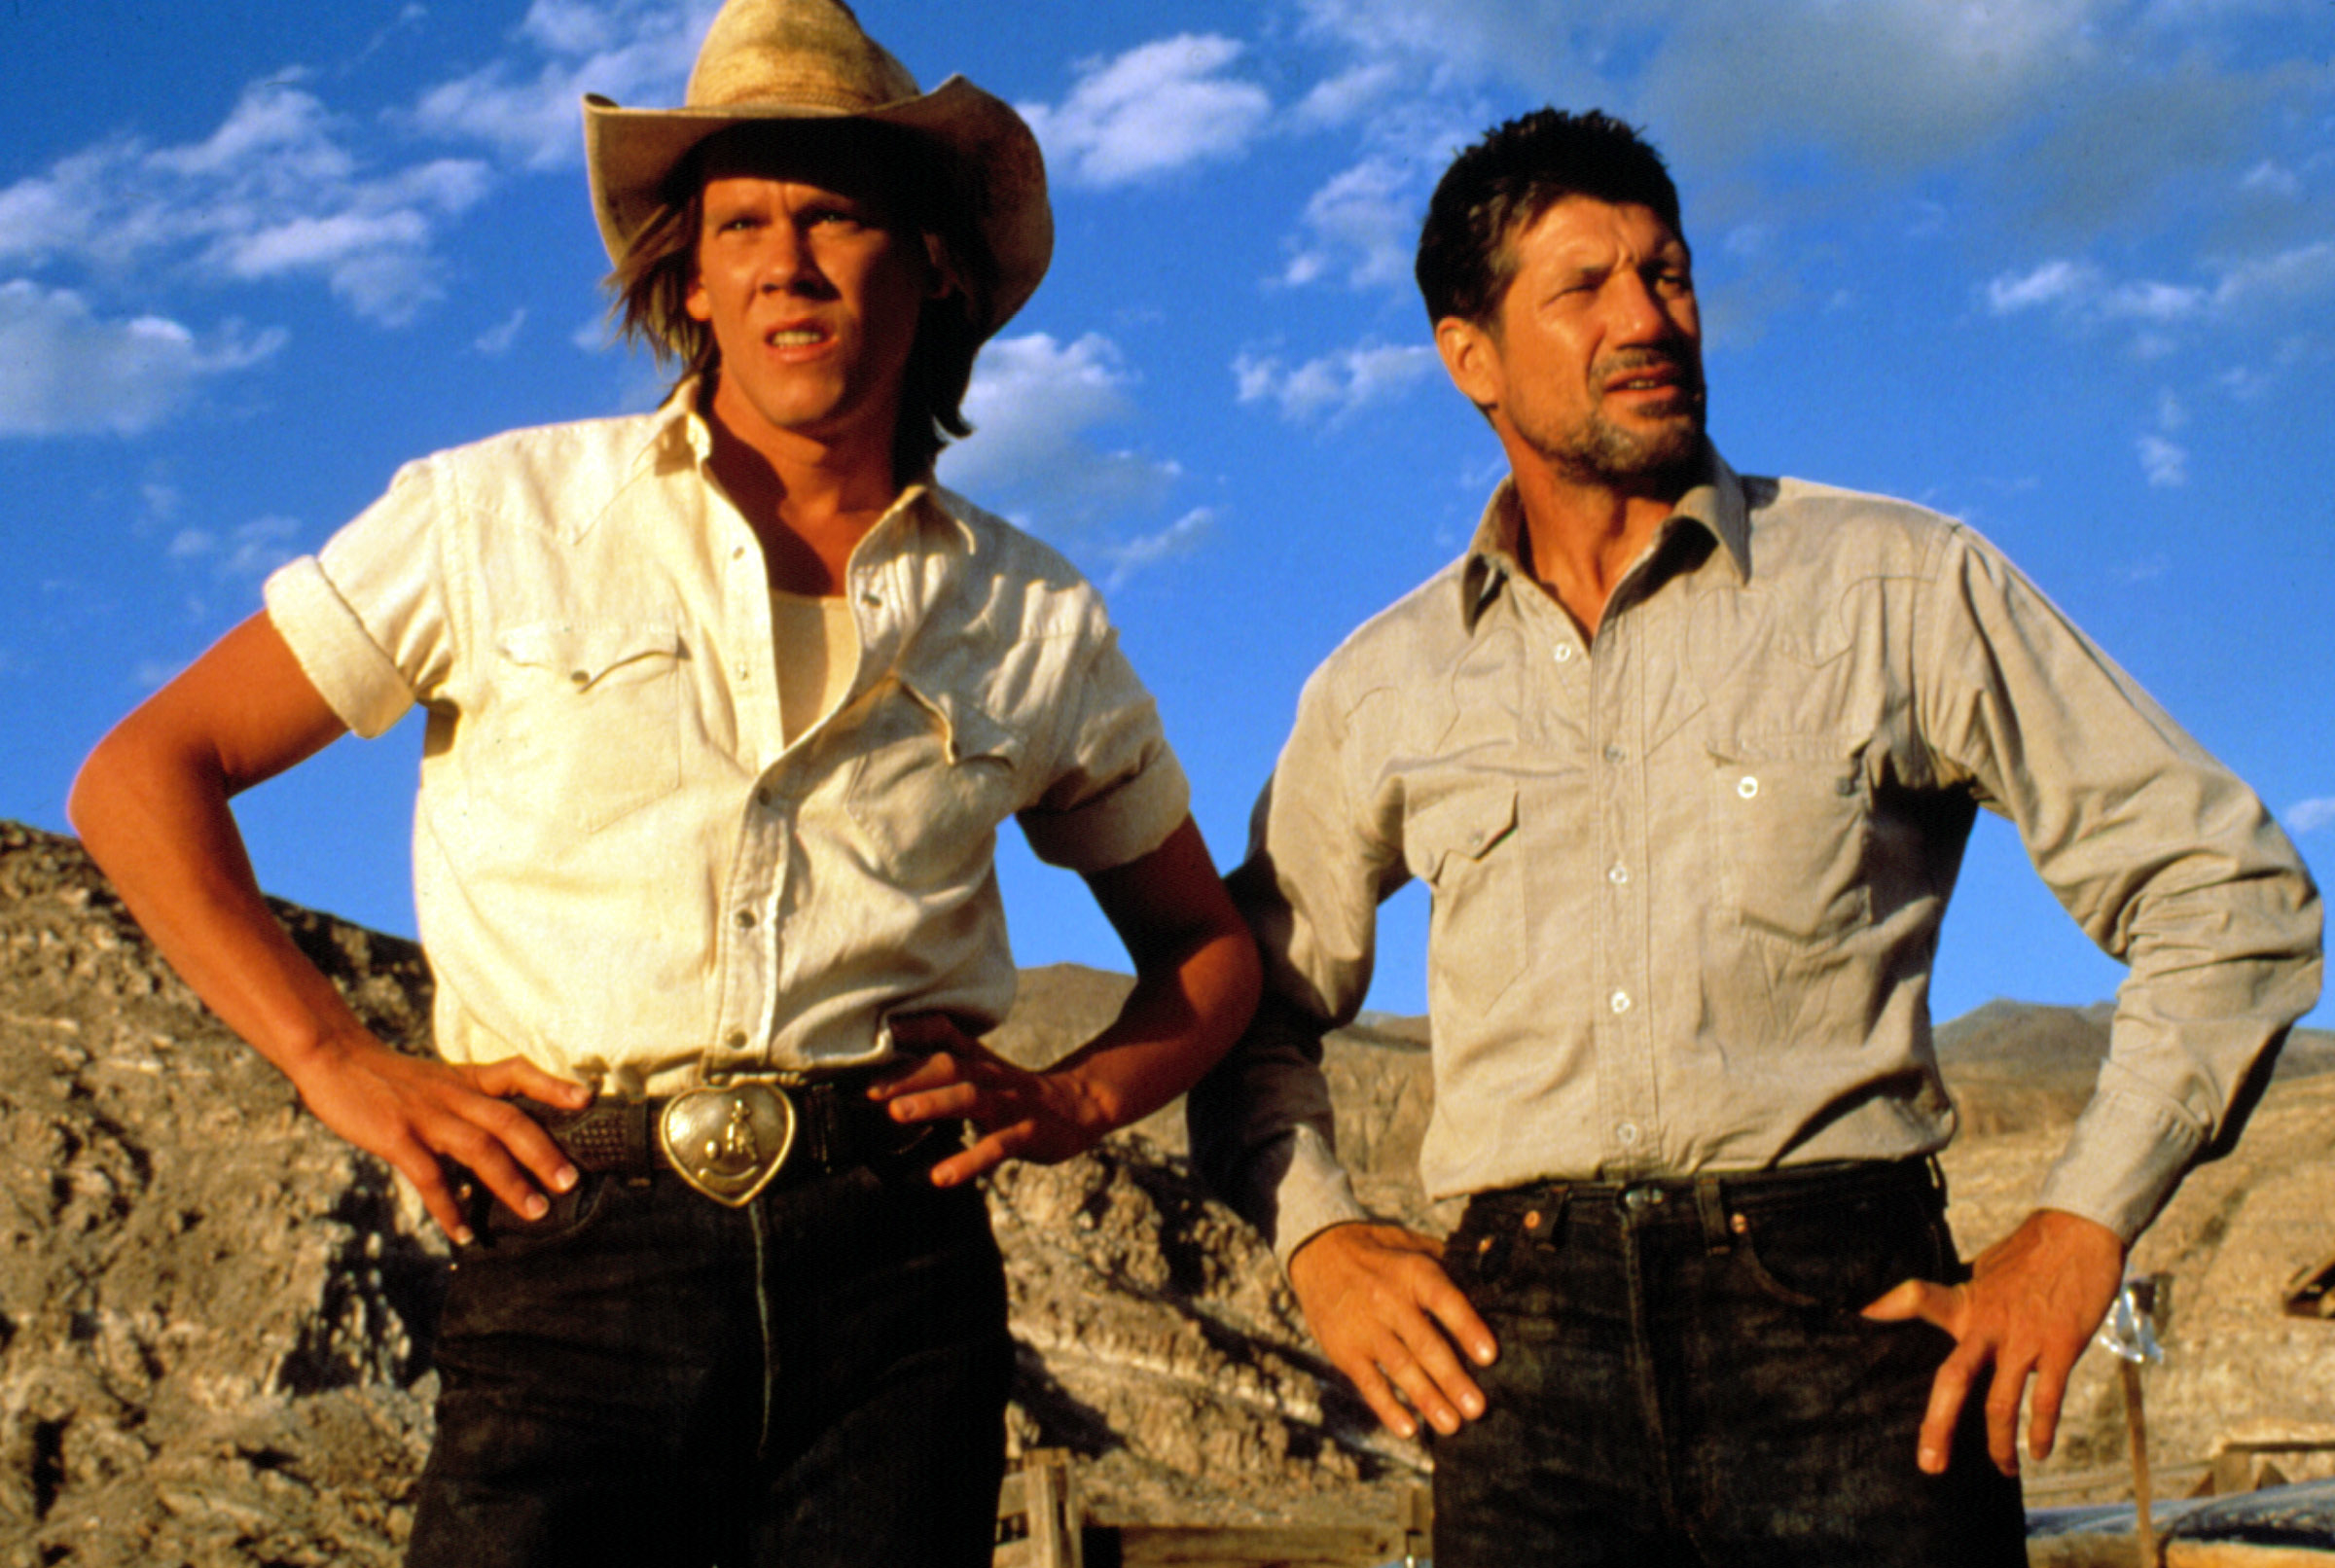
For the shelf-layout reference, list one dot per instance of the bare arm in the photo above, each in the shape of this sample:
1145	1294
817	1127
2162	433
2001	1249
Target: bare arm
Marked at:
2034	1300
151	806
1196	984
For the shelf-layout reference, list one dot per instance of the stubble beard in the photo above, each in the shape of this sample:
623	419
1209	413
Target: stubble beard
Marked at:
1661	459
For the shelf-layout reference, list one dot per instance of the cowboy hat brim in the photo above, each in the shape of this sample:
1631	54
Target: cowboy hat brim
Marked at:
993	159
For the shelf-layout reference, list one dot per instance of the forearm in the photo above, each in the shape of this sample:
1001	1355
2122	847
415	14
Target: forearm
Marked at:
1263	1132
154	814
1184	1013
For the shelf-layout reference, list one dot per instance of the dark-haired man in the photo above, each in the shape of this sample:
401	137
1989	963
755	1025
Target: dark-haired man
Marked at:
726	703
1689	759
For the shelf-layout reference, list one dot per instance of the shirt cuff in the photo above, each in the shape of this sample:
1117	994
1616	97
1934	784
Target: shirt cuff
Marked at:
1315	1192
2121	1165
1123	824
339	658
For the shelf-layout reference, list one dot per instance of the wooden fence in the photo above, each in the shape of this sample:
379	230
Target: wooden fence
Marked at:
1042	1523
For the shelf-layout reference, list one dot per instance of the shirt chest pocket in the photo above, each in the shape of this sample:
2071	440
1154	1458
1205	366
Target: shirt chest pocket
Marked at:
1789	822
585	724
935	776
1464	846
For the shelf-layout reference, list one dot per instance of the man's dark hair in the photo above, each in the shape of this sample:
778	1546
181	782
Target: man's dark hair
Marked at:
1498	187
651	284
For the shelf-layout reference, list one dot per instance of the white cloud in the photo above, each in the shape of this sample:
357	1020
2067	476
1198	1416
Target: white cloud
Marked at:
2083	113
498	339
2164	462
2302	272
1180	538
1156	109
250	549
65	371
272	193
1333	386
1348	97
635	52
2272	178
2301	275
2054	282
2309	816
1033	403
1367	219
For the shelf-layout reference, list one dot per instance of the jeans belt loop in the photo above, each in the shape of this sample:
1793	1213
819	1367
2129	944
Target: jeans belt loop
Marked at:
1710	1206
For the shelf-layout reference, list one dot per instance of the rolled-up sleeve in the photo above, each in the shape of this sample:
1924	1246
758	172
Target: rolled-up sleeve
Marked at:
365	616
2161	855
1115	790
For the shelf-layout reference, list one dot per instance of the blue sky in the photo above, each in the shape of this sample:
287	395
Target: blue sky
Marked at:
2064	268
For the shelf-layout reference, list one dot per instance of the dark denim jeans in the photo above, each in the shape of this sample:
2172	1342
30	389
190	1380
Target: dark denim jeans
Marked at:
647	1377
1683	1378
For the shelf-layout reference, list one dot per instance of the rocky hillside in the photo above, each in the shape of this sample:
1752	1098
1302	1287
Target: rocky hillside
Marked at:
214	1318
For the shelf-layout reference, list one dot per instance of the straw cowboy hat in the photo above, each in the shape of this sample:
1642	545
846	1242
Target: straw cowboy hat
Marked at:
809	59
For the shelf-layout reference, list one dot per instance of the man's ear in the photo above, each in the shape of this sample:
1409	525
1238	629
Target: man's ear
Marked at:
945	279
1471	358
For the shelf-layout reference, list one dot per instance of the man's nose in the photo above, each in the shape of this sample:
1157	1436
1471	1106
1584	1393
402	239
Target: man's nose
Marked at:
1640	315
789	264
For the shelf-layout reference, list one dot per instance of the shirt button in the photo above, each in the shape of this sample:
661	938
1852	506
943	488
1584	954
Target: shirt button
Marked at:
736	1040
872	599
1618	875
738	553
1620	1002
1564	653
582	678
746	919
1627	1133
1614	754
762	795
1746	786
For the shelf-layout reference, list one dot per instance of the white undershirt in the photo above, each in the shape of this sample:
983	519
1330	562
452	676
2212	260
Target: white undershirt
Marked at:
818	651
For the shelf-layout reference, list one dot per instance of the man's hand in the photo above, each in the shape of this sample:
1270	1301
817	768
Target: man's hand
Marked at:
1377	1298
2034	1300
410	1111
1046	1117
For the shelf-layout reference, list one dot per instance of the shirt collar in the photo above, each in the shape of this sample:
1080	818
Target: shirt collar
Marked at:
678	436
1716	504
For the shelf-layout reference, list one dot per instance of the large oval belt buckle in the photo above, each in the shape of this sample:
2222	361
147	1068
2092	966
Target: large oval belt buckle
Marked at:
728	1142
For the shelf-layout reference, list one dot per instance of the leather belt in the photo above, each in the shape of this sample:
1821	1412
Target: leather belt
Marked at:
731	1140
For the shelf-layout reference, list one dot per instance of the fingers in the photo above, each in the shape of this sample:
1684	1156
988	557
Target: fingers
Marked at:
1390	1319
1941	1306
515	1075
1949	1391
2043	1407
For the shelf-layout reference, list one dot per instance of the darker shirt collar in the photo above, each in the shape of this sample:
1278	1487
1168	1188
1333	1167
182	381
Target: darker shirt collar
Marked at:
1716	504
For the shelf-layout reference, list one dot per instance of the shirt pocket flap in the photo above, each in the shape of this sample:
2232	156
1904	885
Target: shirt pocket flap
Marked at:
582	655
1467	825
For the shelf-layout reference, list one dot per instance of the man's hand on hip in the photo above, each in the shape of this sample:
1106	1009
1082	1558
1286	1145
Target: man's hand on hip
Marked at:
1377	1298
2034	1300
412	1110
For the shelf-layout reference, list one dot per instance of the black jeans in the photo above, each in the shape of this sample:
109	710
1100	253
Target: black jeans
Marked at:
1683	1378
649	1377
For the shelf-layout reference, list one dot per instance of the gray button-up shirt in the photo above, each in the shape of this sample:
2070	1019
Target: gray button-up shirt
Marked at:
1688	879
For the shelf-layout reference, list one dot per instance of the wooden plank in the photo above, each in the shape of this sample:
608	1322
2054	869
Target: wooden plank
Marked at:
2120	1551
1150	1545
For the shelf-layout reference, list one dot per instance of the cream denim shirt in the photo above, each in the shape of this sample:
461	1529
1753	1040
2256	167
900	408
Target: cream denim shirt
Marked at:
622	871
1688	879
